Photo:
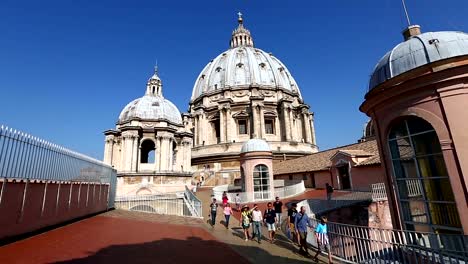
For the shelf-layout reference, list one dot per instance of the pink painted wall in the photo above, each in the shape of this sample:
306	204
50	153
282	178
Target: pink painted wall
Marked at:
46	205
321	178
363	177
248	163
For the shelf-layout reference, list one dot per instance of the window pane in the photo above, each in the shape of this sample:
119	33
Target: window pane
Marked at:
242	127
432	166
269	126
398	130
418	125
256	174
426	143
405	169
401	148
414	211
410	189
444	214
438	190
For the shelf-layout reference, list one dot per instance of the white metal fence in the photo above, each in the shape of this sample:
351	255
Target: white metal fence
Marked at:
246	197
153	204
25	157
378	192
193	202
359	244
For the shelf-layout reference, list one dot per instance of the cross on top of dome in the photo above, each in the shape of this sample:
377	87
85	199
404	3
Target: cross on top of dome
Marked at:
241	36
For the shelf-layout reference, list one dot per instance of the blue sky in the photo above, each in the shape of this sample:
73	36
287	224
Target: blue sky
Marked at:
67	68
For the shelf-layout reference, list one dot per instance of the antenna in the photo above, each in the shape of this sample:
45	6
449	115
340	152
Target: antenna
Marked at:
406	12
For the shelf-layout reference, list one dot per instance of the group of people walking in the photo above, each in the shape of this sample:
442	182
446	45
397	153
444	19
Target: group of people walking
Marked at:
298	223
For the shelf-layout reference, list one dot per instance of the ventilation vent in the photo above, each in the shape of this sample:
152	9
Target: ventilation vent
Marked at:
155	104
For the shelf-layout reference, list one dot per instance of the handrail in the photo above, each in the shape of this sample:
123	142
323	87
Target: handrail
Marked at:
362	244
193	202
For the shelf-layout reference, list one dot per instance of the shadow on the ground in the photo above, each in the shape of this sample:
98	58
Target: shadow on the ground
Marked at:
167	250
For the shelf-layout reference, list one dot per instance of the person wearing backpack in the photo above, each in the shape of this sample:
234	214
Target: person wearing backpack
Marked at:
269	217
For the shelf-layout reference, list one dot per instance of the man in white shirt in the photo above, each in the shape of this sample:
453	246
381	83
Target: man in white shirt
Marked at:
257	223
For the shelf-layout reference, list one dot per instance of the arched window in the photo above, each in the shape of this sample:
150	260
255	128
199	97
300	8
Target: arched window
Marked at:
261	182
147	151
425	195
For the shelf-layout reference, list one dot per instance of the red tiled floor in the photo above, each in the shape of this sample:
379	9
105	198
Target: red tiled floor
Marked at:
104	239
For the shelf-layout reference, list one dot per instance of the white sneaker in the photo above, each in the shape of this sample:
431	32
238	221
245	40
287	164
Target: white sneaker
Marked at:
246	239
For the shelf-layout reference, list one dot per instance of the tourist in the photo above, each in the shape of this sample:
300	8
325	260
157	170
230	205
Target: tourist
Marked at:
301	223
329	190
213	211
257	223
225	199
238	202
321	234
291	219
227	213
278	210
246	214
270	219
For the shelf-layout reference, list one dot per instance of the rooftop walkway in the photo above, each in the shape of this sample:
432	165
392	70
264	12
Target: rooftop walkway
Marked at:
282	251
133	237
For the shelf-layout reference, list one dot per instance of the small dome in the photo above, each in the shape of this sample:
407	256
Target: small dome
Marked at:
151	108
255	145
417	51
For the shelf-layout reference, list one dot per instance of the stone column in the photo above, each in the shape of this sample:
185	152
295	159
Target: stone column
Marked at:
262	122
222	126
256	127
201	129
164	153
312	129
287	125
108	149
135	154
195	120
171	155
157	157
127	152
306	124
290	117
229	125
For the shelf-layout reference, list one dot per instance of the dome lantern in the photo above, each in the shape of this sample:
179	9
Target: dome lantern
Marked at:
154	85
241	36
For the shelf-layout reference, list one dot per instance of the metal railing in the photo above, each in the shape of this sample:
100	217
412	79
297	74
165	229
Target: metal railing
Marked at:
154	204
193	202
358	244
318	206
23	156
379	193
247	197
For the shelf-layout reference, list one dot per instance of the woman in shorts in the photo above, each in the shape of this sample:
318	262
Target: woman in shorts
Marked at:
246	214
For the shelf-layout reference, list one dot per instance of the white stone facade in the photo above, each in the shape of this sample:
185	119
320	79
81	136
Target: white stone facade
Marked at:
246	93
150	147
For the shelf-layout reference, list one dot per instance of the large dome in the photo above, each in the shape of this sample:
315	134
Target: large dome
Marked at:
242	66
151	108
417	51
